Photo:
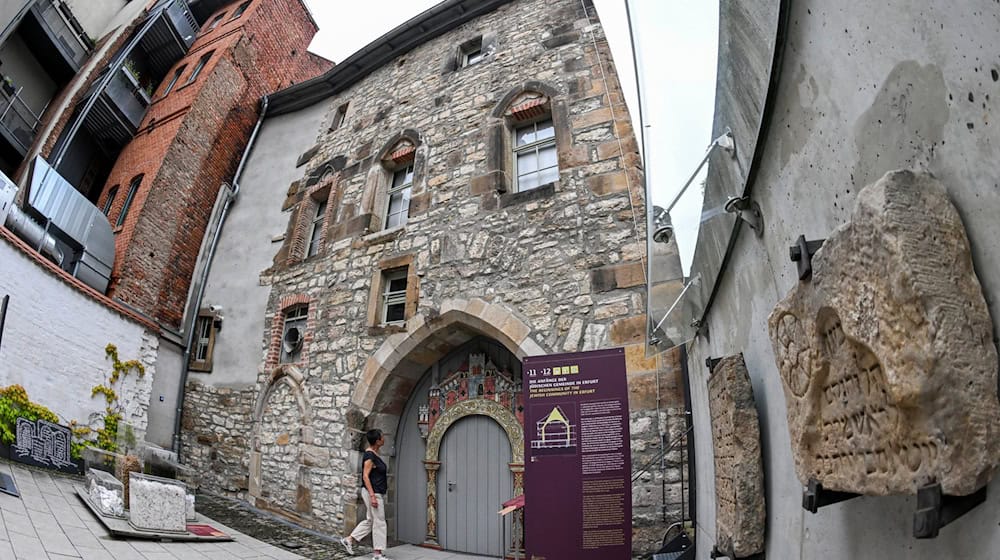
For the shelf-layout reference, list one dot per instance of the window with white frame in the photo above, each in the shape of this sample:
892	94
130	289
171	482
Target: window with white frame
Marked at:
316	233
204	342
394	296
472	52
398	206
535	160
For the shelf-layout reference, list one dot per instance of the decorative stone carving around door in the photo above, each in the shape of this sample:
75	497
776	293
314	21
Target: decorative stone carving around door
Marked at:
478	389
887	355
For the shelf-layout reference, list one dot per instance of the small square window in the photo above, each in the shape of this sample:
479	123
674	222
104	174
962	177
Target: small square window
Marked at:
394	297
204	342
472	52
338	118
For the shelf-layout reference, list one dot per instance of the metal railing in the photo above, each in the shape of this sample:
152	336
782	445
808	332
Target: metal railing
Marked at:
72	42
126	94
17	118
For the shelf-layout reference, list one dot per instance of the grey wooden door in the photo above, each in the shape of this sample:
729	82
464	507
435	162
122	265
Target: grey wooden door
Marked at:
473	482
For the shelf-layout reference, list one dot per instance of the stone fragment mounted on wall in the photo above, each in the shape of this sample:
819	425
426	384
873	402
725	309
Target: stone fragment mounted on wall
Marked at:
886	355
740	515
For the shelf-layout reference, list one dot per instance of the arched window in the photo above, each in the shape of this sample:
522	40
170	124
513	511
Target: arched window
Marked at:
110	201
129	198
392	185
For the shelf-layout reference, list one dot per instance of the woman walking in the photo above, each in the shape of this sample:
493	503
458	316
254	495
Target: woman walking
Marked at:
376	483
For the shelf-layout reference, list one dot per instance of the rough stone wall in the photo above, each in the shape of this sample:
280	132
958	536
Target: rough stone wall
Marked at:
216	434
561	265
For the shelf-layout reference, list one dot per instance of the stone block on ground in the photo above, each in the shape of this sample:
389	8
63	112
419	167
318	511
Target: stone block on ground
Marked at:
740	517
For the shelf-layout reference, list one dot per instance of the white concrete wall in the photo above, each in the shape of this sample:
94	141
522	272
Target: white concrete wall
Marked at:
54	338
96	16
9	9
246	248
865	88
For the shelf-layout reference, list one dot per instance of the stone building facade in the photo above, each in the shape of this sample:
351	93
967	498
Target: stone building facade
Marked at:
408	247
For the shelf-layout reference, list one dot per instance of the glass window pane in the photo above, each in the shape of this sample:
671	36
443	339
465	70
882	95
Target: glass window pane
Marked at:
549	175
547	157
397	285
545	130
527	162
406	197
527	182
525	135
320	210
396	202
395	312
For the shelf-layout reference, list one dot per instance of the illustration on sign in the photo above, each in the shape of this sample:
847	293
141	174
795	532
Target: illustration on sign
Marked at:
43	443
577	458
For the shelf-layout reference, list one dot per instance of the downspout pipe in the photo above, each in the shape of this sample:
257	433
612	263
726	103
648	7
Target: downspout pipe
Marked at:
189	324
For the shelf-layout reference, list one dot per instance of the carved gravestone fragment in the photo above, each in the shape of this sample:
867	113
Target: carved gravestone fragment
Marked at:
887	356
740	515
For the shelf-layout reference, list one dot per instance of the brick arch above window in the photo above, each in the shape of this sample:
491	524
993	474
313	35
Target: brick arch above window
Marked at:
286	305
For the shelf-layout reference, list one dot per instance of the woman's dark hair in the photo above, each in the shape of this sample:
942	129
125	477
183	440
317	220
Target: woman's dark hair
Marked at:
373	435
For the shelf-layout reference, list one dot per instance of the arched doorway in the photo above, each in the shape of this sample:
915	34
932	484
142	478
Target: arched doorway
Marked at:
459	449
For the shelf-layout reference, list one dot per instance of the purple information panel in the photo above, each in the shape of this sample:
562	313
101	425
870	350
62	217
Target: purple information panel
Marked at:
577	486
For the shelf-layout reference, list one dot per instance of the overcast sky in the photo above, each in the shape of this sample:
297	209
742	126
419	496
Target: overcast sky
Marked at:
677	42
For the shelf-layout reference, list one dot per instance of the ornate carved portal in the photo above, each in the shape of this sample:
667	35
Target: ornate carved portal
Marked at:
477	389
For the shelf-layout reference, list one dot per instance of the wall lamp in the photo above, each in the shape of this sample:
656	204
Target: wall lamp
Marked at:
664	229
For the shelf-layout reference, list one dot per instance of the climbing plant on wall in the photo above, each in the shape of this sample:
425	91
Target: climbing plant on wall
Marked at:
107	436
14	404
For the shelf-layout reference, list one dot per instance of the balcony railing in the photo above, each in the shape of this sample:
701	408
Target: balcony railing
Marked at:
124	92
17	119
73	44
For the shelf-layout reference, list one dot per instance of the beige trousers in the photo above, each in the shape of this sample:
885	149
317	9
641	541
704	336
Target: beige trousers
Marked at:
374	523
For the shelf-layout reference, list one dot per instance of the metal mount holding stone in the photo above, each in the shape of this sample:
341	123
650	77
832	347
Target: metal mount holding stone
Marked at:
748	211
802	253
934	509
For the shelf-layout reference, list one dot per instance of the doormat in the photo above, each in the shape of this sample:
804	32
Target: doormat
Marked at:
205	531
7	485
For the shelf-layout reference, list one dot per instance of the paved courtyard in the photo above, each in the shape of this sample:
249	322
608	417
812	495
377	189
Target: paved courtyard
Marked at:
49	522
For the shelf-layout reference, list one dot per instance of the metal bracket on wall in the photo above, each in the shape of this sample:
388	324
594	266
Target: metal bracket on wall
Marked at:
802	253
711	363
935	510
748	211
815	497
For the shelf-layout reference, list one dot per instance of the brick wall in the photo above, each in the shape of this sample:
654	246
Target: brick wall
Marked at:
190	143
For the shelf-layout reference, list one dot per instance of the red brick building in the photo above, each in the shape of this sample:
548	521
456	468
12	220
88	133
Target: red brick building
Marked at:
162	188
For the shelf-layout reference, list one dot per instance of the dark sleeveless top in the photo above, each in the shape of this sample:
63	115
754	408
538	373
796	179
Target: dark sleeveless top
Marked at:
378	474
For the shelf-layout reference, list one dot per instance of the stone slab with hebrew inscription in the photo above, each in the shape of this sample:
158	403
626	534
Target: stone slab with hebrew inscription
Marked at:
740	515
887	355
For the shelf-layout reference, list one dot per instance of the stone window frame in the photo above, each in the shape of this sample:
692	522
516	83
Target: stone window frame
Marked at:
403	149
529	102
206	317
340	116
286	304
305	218
383	270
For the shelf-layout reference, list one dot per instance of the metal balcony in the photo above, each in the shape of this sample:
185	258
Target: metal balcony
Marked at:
170	36
119	109
54	38
18	122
